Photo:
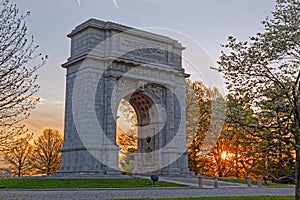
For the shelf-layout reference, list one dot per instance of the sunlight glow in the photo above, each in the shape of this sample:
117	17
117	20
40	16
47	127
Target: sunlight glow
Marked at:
224	155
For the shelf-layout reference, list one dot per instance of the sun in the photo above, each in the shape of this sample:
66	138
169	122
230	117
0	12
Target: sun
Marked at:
224	155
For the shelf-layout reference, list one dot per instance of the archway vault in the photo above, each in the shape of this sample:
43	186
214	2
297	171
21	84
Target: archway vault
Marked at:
142	105
110	62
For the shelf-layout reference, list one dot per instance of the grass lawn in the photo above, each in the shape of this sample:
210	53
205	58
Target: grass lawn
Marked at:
42	183
228	198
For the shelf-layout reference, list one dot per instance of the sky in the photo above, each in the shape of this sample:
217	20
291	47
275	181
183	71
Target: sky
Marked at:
200	25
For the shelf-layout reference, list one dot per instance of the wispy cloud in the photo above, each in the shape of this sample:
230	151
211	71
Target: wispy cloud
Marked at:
49	113
116	3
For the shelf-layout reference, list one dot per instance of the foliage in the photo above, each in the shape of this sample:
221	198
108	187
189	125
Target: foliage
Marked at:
17	156
198	113
201	107
128	144
264	74
242	146
127	163
127	140
246	151
17	73
236	152
46	156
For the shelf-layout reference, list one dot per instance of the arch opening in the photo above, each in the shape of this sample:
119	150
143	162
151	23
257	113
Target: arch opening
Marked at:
126	136
137	128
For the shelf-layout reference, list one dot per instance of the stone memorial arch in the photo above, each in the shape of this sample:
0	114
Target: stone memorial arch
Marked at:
110	62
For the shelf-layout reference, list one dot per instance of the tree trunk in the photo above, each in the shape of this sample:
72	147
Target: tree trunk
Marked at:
236	161
297	134
297	189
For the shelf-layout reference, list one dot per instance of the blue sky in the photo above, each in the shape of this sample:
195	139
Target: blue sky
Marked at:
201	25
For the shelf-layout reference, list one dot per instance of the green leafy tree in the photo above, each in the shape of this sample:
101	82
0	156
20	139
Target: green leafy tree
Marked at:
17	73
279	146
264	73
46	156
236	152
243	144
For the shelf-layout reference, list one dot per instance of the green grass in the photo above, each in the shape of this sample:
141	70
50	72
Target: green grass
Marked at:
228	198
42	183
254	182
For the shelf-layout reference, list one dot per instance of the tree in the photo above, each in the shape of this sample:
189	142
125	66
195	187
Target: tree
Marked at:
127	139
46	155
264	73
17	73
17	156
128	144
201	123
241	145
235	153
198	113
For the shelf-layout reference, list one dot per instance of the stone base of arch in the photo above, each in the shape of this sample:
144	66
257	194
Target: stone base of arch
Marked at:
88	166
82	162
